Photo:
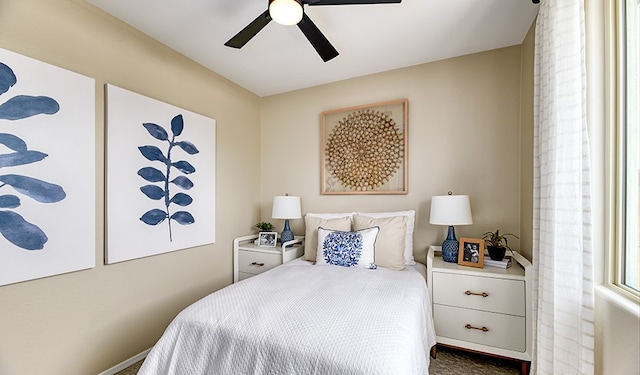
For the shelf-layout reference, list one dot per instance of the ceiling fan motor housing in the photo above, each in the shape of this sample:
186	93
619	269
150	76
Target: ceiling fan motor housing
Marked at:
286	12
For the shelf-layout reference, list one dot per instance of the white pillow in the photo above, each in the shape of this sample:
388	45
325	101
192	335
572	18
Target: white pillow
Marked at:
312	223
411	219
347	249
330	215
390	241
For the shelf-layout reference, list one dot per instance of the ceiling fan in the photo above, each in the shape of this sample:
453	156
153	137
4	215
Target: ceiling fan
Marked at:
291	12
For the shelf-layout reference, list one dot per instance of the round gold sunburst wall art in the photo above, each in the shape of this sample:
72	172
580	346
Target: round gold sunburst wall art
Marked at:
364	149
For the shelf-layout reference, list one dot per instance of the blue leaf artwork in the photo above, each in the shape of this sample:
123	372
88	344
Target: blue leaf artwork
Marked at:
160	177
13	226
153	175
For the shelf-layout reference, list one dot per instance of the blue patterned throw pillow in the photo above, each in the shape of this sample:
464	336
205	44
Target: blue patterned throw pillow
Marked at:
347	249
342	248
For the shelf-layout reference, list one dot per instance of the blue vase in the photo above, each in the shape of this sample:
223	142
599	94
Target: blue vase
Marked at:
286	234
450	247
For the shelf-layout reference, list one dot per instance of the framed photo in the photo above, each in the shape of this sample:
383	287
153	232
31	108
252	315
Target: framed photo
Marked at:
364	149
267	239
471	252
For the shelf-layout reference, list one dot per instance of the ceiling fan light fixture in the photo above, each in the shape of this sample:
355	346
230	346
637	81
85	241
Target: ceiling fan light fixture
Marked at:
286	12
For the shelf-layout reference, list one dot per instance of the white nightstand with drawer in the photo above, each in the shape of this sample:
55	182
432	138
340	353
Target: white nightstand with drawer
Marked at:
250	259
486	309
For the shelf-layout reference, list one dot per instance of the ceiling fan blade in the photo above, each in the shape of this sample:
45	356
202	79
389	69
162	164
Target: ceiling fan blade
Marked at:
245	35
317	39
349	2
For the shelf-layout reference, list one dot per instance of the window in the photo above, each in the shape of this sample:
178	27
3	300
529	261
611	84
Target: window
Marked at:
625	261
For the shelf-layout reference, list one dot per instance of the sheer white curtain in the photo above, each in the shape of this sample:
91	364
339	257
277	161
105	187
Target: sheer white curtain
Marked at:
562	247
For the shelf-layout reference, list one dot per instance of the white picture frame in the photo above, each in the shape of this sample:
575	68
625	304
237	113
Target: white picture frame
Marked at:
267	239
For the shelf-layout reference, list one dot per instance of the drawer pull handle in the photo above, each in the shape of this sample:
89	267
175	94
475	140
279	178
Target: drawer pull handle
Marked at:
470	293
257	264
483	329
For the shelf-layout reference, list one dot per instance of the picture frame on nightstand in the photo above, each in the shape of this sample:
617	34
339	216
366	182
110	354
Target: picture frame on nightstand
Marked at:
471	252
267	239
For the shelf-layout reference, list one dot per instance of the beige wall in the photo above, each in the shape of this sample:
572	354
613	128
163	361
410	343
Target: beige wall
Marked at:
464	136
526	145
86	322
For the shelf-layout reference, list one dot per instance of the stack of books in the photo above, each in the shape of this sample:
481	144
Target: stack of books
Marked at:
504	263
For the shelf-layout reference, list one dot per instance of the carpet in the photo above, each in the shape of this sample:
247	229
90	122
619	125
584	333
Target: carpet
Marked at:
451	361
448	361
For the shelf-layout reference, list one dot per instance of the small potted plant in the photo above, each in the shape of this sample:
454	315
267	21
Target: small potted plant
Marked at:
264	226
497	243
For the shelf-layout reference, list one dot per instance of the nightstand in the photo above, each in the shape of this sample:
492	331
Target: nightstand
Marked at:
485	310
250	259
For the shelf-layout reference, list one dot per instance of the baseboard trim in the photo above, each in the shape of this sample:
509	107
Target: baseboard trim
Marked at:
123	365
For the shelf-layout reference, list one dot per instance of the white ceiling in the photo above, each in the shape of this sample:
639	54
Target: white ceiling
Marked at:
369	38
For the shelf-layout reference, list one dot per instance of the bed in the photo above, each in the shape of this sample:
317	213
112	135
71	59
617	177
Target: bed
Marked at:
305	317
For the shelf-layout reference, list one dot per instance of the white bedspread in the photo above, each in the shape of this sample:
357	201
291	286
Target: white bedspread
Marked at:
303	319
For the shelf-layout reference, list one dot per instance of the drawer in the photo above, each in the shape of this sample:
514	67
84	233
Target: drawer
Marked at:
503	331
255	263
244	275
500	295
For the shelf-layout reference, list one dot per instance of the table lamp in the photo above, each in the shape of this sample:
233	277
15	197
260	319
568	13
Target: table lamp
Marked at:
286	207
450	210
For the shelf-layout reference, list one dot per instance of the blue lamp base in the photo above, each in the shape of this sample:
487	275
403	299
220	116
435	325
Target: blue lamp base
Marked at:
286	234
450	247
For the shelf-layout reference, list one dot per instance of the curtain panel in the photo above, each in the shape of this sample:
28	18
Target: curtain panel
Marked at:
562	235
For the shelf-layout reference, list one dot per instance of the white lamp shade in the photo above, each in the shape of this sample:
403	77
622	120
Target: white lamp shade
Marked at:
285	12
450	210
286	207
